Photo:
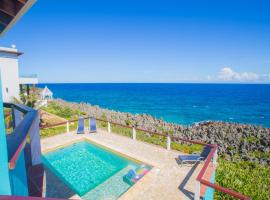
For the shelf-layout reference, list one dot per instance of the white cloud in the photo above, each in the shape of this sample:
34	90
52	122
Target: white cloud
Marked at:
228	74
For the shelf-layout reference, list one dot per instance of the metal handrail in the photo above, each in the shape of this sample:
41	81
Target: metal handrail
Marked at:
213	185
199	178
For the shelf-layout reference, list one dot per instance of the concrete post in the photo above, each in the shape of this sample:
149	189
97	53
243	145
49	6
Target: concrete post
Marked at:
197	190
67	127
133	133
35	142
109	127
168	142
215	158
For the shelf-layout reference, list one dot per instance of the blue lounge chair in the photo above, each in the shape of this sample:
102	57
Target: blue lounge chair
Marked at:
194	158
80	129
92	125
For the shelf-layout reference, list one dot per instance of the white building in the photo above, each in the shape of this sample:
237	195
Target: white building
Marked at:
9	69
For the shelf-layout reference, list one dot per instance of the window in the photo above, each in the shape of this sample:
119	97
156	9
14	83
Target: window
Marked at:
7	90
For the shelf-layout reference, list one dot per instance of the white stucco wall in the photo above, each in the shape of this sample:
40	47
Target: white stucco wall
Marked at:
9	76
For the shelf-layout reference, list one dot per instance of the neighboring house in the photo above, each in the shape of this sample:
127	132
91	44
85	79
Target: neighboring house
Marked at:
9	69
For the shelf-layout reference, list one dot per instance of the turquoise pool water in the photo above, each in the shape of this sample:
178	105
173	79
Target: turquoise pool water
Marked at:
89	170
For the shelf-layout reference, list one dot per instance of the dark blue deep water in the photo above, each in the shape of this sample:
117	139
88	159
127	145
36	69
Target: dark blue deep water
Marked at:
178	103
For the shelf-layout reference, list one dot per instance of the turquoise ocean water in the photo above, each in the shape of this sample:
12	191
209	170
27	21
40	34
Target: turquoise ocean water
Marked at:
177	103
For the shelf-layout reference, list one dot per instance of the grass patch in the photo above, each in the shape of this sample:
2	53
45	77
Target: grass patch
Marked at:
121	130
153	139
247	178
64	112
57	130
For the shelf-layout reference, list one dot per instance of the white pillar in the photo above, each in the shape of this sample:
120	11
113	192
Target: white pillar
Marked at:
197	190
133	133
168	142
215	158
109	127
67	127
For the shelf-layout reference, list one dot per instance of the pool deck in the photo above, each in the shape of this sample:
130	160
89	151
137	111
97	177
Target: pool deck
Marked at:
166	180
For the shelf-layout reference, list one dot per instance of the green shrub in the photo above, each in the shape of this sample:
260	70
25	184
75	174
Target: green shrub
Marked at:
260	155
153	139
186	148
247	178
102	125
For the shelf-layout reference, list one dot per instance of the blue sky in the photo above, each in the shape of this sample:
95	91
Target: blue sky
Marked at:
145	41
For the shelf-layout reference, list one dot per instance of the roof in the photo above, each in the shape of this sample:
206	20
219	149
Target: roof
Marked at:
46	91
11	11
28	79
10	51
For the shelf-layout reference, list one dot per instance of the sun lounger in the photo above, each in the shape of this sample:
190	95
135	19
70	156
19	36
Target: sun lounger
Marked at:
187	159
194	158
92	125
80	129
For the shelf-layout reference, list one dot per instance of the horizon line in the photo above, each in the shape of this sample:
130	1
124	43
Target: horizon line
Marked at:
221	83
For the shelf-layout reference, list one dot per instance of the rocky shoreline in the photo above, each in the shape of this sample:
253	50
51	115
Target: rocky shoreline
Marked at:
236	141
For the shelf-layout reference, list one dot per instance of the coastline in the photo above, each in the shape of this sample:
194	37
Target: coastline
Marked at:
236	141
176	103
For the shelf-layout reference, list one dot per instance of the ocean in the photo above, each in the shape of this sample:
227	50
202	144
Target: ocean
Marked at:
177	103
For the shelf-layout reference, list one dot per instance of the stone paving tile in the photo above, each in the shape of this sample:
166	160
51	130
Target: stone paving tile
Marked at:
166	180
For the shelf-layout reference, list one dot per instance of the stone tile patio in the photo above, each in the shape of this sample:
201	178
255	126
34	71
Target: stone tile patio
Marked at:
166	180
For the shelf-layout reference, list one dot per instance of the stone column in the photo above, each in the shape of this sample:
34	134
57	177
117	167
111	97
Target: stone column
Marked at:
168	142
133	133
109	127
67	127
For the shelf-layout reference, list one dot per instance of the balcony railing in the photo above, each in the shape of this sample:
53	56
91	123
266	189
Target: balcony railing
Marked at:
25	131
29	76
210	161
24	120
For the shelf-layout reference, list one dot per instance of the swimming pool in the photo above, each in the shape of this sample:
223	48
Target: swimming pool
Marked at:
90	171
